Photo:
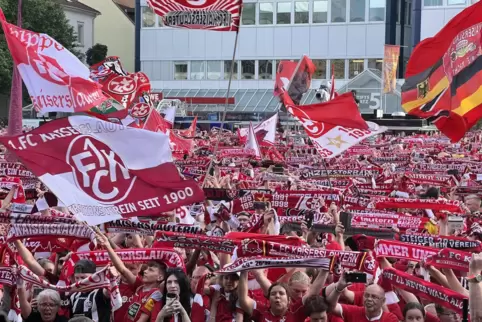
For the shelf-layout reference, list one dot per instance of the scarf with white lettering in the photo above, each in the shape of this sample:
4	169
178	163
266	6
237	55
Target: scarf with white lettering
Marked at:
373	219
450	258
20	231
396	249
98	280
437	241
430	291
169	257
130	227
257	262
20	218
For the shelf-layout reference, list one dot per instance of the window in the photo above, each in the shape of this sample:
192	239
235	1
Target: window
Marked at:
247	69
283	13
266	13
320	72
376	63
180	70
148	17
302	14
265	70
339	67
214	69
320	11
338	10
80	33
357	10
455	2
248	17
377	10
198	70
227	69
355	67
160	22
432	3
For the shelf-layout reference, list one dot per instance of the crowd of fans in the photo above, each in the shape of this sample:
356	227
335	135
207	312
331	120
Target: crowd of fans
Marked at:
153	292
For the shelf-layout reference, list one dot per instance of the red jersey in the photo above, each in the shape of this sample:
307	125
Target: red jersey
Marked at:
262	313
127	293
224	311
142	302
352	313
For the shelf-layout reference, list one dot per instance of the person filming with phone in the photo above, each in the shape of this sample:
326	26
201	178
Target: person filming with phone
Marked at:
176	299
373	301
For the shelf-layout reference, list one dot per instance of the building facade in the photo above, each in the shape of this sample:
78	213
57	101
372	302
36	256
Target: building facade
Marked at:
81	17
347	36
115	29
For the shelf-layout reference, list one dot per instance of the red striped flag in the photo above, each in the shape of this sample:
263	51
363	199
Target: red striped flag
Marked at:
218	15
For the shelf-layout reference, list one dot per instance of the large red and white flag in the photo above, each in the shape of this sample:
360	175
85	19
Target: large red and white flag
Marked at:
56	80
104	171
268	126
332	140
218	15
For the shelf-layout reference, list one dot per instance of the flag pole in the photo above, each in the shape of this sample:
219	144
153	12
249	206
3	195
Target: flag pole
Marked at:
15	106
223	119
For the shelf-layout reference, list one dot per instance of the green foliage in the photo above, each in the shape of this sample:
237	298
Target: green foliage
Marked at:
96	54
43	16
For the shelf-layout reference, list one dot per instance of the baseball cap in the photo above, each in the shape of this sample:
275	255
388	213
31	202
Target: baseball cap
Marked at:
84	266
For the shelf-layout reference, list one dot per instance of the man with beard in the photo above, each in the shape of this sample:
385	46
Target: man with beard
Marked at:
373	301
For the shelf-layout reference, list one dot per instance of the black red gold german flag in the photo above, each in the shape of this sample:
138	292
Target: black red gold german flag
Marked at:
444	75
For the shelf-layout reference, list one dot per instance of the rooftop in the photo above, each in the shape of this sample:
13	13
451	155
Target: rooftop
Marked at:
77	5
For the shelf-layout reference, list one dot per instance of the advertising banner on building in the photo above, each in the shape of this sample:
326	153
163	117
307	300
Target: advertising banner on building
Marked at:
390	66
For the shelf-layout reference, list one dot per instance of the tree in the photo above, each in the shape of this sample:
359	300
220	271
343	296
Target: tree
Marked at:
43	16
96	54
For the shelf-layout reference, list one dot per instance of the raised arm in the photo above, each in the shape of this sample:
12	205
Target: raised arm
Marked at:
245	302
28	258
116	261
317	285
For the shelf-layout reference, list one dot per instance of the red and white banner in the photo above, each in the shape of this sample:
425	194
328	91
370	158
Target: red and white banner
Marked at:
219	15
331	140
104	171
56	80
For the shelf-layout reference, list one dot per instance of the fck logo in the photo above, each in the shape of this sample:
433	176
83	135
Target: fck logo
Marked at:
98	170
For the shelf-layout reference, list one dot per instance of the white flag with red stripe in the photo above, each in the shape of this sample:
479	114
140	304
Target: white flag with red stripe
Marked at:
104	171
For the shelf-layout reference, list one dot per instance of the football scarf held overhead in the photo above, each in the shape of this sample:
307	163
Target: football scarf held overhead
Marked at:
396	249
170	257
130	227
453	206
98	280
451	258
19	231
435	293
442	242
100	172
257	262
202	242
